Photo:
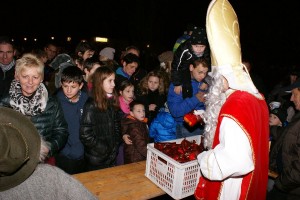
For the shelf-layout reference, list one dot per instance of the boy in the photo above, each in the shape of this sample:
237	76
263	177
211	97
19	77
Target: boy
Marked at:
194	48
135	125
72	99
278	117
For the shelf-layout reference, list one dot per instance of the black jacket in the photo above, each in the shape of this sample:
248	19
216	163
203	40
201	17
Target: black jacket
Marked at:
100	134
50	124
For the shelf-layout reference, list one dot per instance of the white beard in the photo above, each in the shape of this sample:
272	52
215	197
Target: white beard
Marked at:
214	101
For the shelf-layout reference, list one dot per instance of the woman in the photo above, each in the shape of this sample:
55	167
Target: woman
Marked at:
29	96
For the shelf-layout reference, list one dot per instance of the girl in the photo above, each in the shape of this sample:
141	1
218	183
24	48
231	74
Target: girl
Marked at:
100	123
152	92
126	92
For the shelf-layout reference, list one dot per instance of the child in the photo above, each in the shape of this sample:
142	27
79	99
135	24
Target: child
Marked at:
194	48
278	117
163	127
152	93
126	95
100	122
72	99
135	125
126	92
89	67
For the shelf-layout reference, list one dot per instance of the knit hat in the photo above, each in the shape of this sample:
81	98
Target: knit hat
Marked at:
199	36
166	56
223	35
108	52
20	145
280	113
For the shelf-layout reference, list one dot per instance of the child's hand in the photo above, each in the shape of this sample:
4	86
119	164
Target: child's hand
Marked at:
126	139
203	86
152	107
178	89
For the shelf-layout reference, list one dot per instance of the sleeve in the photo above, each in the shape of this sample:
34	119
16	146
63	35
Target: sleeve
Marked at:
139	141
231	158
59	133
87	135
176	67
178	106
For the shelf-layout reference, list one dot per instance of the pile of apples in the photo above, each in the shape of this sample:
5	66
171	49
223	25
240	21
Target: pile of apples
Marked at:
183	152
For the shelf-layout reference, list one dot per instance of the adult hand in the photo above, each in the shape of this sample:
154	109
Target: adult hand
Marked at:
200	96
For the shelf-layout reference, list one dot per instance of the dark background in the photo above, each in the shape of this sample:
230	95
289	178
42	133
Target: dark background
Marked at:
270	32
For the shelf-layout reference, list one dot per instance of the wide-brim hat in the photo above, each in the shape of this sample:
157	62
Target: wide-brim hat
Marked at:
20	145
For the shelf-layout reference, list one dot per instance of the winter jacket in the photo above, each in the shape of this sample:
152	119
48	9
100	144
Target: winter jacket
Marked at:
72	113
180	73
179	107
163	127
138	133
50	124
100	134
288	141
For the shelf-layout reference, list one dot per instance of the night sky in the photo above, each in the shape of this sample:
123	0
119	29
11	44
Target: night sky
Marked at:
269	29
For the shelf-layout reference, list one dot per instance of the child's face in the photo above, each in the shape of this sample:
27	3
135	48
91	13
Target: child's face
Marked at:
198	49
199	72
128	93
153	83
274	120
130	68
109	84
71	90
138	112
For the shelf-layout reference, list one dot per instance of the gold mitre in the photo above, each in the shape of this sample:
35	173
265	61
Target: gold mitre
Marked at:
223	34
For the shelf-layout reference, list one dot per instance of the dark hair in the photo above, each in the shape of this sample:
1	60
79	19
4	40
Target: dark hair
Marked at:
100	96
199	61
7	40
134	103
89	62
132	47
130	58
72	74
83	46
124	84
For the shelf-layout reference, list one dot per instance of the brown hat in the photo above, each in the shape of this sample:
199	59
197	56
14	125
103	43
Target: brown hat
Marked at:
166	56
20	145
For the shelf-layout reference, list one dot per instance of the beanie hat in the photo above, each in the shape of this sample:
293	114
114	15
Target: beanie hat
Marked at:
108	52
199	36
280	113
166	56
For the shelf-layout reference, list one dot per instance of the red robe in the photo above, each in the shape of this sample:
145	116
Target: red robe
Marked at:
252	115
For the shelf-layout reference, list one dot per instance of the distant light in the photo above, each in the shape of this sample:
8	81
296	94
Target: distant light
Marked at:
25	39
35	39
101	39
69	39
148	45
52	38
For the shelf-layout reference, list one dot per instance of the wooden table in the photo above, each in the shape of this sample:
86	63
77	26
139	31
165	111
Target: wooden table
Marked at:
121	182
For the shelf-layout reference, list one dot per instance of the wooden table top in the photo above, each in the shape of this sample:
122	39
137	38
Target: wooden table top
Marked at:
126	182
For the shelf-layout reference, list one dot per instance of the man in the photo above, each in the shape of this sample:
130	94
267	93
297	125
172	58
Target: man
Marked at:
284	154
21	175
7	63
237	119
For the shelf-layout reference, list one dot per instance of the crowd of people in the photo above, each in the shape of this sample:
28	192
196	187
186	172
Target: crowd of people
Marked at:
91	110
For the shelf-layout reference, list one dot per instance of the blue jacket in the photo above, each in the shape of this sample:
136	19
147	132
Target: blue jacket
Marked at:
179	107
72	112
163	127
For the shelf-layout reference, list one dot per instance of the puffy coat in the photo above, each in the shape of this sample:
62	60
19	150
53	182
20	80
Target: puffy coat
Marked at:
138	132
100	135
50	124
163	127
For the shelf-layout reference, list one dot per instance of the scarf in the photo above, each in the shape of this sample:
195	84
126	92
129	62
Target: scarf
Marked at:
29	106
5	68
